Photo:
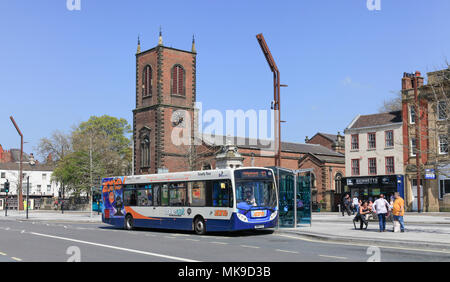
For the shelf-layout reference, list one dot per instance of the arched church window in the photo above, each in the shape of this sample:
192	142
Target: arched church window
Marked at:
147	81
177	83
145	151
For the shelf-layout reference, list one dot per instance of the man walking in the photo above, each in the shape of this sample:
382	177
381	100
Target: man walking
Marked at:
381	207
346	203
355	204
398	210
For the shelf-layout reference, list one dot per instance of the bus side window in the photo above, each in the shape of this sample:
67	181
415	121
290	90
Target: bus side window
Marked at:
157	195
197	194
221	193
164	195
130	195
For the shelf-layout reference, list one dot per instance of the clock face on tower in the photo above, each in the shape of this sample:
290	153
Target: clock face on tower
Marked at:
179	118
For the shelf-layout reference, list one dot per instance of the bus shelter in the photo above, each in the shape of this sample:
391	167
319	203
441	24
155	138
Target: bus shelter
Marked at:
294	197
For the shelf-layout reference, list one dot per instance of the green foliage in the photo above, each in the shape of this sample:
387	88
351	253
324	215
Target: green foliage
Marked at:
100	148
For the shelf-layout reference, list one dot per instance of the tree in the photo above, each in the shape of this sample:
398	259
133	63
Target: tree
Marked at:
100	148
56	146
392	105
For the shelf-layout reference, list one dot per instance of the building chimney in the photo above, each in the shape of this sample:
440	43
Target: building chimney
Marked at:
306	139
406	81
49	158
419	79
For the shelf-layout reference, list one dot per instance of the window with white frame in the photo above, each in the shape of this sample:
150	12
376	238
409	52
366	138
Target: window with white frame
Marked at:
355	167
38	190
442	110
389	138
49	188
3	175
444	187
413	147
372	166
412	114
443	144
371	140
355	142
390	167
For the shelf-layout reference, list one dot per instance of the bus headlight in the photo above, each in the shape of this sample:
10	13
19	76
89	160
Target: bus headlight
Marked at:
242	217
273	215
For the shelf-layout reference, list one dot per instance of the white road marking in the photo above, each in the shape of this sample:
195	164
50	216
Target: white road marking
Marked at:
332	257
221	243
253	247
115	247
3	254
192	239
16	259
286	251
366	245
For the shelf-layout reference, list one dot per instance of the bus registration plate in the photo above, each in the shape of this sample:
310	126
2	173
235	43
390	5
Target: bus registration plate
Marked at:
258	213
259	226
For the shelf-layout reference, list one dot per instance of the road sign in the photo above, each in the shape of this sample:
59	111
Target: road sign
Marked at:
430	173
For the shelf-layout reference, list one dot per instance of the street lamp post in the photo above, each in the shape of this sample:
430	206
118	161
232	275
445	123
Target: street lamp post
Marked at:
276	86
28	192
19	194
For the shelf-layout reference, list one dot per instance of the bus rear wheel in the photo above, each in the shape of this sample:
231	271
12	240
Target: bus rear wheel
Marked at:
199	226
129	222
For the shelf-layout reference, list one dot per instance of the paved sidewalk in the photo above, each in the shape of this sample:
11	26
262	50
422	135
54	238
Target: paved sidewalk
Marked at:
430	231
41	215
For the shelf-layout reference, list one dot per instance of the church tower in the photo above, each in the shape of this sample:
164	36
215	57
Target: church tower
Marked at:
165	100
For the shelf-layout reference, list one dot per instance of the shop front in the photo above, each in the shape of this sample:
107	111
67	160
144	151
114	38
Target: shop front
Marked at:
369	188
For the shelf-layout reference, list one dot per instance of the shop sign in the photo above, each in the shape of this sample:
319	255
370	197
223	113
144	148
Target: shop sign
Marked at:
362	181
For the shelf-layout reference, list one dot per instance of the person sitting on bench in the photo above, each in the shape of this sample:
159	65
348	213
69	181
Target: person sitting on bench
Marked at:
361	216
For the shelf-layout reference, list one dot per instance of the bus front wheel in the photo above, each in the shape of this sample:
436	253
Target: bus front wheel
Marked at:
199	226
129	222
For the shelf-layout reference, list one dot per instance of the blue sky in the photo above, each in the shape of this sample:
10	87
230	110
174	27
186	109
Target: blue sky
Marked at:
59	67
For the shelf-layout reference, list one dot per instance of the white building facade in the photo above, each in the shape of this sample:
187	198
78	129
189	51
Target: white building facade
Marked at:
39	176
374	155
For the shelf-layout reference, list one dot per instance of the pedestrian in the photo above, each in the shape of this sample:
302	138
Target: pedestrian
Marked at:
355	204
398	210
346	203
381	207
361	216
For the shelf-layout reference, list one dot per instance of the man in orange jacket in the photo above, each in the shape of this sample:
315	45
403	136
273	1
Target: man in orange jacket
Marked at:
398	210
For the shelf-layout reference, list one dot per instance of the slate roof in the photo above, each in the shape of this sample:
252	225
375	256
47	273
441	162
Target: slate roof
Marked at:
263	144
26	167
377	119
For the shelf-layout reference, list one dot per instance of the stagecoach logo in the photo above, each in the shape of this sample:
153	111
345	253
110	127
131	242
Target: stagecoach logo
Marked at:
221	173
175	212
189	211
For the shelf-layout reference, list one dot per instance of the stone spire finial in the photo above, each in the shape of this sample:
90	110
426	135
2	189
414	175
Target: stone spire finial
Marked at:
193	45
139	45
160	41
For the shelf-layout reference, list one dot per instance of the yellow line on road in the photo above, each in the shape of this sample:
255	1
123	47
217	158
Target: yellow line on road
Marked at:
3	254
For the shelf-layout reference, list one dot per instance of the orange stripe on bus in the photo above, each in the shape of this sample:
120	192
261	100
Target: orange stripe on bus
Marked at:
137	215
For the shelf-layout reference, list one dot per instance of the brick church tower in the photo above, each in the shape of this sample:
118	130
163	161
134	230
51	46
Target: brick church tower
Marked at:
165	100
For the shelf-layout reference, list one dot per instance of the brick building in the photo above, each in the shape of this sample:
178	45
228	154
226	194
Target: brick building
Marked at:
331	141
165	97
433	103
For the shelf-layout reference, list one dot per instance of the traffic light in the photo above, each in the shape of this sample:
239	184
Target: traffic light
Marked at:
6	187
